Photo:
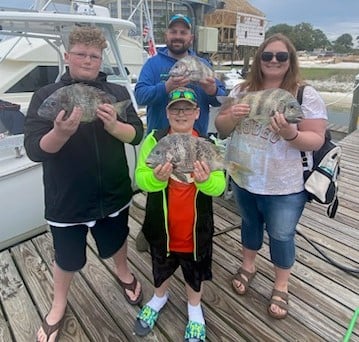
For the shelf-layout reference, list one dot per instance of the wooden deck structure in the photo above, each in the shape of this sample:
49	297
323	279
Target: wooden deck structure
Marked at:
323	298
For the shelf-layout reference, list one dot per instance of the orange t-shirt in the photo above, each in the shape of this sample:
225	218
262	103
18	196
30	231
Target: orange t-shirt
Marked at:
181	214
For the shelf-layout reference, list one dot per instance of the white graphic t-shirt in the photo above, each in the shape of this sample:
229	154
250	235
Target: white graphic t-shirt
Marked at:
275	166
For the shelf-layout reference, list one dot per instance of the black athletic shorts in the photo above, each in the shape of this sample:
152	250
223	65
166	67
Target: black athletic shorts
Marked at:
194	272
109	233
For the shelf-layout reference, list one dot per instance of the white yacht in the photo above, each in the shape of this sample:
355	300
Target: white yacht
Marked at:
29	59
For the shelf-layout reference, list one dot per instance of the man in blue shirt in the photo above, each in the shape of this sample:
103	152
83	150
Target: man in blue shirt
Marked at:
154	82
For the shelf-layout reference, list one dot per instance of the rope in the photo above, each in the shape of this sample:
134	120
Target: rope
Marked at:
331	260
344	96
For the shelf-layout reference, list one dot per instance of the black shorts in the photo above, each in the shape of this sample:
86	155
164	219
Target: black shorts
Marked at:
109	233
194	272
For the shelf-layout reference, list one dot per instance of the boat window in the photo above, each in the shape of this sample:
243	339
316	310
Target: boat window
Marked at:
35	79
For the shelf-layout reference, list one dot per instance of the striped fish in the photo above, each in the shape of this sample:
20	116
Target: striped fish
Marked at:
265	103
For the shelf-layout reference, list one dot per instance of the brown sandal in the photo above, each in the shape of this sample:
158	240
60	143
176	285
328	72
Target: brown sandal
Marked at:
131	287
50	329
245	282
282	304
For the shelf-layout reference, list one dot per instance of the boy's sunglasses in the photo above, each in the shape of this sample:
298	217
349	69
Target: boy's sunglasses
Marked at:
179	94
279	56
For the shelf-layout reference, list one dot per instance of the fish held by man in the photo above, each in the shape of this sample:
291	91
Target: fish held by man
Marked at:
182	150
86	97
191	67
265	103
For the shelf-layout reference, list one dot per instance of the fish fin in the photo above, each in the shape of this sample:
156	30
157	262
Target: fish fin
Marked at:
222	99
121	109
236	170
180	176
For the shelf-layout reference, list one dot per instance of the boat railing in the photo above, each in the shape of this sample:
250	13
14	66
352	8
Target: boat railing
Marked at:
15	142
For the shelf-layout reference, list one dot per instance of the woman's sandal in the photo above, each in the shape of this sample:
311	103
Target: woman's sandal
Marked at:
241	273
282	304
131	287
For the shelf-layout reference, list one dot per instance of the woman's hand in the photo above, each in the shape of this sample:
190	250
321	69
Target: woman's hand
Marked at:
238	111
279	125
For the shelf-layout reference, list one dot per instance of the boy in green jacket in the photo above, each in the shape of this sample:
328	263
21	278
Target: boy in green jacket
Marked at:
179	220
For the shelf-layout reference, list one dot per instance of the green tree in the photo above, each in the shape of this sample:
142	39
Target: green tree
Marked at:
321	40
280	28
343	44
303	36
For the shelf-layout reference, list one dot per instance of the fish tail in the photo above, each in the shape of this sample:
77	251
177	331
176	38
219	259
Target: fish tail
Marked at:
121	109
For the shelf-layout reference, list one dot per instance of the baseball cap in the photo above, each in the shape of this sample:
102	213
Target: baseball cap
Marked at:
180	17
182	94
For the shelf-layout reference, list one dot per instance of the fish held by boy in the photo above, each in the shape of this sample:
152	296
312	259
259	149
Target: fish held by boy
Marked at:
182	150
86	97
191	67
265	103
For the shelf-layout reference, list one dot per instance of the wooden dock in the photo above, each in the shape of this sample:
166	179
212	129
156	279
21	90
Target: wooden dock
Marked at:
323	298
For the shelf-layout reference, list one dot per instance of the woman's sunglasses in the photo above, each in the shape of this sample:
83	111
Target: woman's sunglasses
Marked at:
279	56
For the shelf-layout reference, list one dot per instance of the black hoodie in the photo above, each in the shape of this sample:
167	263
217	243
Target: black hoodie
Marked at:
88	178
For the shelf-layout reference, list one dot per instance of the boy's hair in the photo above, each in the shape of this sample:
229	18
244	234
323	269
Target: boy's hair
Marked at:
88	35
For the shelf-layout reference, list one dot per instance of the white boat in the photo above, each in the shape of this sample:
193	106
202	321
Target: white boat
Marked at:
38	40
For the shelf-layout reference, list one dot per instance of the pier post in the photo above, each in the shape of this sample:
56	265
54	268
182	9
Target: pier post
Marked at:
354	114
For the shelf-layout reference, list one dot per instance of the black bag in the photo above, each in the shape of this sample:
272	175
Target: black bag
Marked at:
321	181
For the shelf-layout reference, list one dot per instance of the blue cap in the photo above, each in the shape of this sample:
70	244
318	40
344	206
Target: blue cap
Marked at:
180	17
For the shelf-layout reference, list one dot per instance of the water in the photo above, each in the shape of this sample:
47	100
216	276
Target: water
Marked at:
339	116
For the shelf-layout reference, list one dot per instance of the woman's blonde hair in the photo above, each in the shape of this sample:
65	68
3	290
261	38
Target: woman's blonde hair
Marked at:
88	35
291	79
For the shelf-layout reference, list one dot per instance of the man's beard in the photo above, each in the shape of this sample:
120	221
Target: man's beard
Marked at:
177	50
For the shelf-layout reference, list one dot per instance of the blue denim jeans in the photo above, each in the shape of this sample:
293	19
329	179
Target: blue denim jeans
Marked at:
278	214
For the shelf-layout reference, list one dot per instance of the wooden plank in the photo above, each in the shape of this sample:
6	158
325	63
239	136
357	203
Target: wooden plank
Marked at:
4	328
93	317
22	315
38	278
253	327
178	299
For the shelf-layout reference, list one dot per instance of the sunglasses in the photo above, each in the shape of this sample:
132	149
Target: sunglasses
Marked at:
279	56
182	94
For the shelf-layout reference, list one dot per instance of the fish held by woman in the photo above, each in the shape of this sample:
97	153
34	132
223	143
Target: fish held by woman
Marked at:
182	150
81	95
265	103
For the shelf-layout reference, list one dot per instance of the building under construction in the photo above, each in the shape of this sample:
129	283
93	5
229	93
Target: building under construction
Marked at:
235	20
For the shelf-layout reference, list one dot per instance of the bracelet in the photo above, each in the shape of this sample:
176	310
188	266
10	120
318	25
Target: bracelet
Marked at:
295	137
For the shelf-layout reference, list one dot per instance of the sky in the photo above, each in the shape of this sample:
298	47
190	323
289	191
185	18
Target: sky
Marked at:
333	17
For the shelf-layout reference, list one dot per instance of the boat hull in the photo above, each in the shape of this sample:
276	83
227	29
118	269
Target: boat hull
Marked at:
22	202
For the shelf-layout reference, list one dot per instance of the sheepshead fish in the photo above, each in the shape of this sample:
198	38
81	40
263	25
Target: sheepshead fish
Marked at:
182	150
86	97
264	103
191	67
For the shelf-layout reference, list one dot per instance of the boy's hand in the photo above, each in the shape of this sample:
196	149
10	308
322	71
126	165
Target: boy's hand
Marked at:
163	172
201	171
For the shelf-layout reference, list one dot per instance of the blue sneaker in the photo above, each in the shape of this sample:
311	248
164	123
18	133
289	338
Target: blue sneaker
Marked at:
195	332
